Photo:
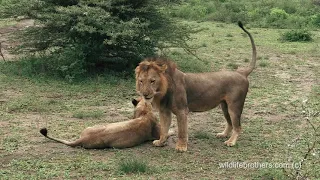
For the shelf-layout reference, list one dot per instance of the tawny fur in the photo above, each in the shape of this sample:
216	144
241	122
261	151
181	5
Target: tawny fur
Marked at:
159	81
124	134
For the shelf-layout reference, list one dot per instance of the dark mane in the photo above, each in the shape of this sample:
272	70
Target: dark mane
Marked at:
160	61
157	62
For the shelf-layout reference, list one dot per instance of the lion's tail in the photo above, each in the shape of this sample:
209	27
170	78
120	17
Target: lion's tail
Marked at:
248	70
75	143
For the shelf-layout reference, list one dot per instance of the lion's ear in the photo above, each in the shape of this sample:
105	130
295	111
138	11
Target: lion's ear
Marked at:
137	70
163	68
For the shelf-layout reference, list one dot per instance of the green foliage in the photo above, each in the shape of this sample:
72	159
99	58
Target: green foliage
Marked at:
192	10
81	36
296	35
277	17
259	13
316	20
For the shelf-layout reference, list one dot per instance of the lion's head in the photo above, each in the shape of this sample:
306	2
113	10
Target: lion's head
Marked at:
152	77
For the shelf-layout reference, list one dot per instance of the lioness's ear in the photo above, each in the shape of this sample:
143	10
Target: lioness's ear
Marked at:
135	102
163	68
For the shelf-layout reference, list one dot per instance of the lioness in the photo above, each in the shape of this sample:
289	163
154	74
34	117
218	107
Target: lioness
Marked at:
159	81
124	134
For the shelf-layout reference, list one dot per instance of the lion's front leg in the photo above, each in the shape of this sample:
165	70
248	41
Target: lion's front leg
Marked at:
165	121
182	121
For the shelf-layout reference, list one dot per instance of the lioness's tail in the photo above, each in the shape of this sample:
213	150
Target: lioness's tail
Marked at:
44	132
248	70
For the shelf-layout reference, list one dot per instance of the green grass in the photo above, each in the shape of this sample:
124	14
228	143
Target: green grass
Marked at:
202	135
233	66
7	22
11	143
88	114
263	64
274	123
134	166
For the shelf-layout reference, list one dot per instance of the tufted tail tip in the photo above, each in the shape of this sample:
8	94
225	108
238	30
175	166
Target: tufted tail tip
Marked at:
240	24
44	131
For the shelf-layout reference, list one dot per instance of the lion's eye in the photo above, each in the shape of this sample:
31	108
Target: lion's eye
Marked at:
152	81
140	81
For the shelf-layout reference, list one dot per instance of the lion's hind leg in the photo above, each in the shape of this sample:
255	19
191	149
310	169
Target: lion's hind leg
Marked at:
228	127
235	110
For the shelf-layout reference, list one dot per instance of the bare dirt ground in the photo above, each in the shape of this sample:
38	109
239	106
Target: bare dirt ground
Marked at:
6	32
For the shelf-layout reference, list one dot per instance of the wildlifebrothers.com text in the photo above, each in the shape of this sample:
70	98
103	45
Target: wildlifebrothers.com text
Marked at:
258	165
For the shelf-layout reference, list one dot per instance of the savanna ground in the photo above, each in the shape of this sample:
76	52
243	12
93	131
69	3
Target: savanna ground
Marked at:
275	129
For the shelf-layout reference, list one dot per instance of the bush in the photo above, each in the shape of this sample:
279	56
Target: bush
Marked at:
192	10
259	13
296	35
277	18
92	35
315	19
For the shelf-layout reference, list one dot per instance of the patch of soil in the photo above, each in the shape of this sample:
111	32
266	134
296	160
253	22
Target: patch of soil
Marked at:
6	32
8	94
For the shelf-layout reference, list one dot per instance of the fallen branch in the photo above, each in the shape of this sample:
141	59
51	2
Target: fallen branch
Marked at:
310	149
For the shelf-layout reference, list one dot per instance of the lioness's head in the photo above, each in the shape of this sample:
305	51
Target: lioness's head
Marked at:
151	78
142	107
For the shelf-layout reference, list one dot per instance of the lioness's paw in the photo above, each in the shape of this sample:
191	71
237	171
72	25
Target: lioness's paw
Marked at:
158	143
229	143
221	135
181	147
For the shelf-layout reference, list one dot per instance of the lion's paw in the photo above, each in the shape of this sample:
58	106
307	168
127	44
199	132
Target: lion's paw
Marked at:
229	143
158	143
221	135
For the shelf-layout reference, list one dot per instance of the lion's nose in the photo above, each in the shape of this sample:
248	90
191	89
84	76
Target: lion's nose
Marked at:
145	95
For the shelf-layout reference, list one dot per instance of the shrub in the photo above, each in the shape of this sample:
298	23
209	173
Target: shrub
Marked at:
270	13
229	11
93	35
192	10
315	19
316	2
296	35
276	17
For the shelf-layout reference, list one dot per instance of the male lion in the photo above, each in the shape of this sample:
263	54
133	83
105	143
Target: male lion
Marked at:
121	134
159	81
